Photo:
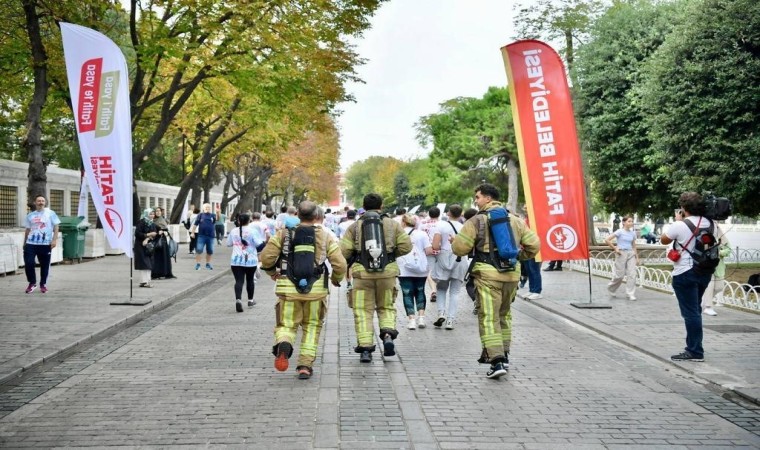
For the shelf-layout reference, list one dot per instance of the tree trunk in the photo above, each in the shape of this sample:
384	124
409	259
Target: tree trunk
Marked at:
37	173
513	175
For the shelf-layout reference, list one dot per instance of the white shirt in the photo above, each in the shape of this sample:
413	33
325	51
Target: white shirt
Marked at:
444	228
420	241
343	226
680	232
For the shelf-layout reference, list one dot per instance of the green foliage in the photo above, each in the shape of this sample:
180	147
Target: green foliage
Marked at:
375	174
702	98
472	139
614	136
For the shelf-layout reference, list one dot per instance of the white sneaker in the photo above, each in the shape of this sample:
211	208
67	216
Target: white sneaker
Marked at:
412	324
533	296
449	324
631	297
710	312
421	322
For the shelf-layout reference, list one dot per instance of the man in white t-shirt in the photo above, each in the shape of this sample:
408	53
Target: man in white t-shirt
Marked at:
688	285
40	238
343	226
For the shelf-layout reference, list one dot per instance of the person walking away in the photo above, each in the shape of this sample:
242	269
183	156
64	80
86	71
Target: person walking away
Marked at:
145	232
162	260
495	290
718	281
374	274
203	227
626	259
413	272
40	238
219	225
532	273
428	225
244	240
553	265
449	270
191	220
299	305
688	284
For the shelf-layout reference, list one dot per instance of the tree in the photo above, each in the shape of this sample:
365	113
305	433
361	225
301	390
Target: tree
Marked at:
473	141
701	92
564	21
614	135
374	174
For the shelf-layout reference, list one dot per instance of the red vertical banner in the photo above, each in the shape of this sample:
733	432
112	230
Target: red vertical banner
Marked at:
547	143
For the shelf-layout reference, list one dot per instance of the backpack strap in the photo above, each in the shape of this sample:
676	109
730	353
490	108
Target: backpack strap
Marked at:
453	227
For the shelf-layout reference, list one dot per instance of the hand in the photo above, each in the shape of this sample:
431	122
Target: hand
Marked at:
53	243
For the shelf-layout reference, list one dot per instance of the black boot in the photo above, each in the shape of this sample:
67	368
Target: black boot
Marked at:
366	356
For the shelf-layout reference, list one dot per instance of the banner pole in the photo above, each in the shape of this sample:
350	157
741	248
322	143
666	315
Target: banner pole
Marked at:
590	304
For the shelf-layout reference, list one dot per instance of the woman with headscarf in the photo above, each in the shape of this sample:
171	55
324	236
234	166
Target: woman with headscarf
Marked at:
162	260
145	231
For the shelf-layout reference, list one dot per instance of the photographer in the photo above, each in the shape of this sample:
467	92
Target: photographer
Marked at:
688	285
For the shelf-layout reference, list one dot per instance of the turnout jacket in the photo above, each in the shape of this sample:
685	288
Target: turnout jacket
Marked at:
474	235
396	240
326	248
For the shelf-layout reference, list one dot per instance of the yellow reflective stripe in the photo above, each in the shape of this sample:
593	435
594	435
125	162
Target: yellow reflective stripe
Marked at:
469	241
304	248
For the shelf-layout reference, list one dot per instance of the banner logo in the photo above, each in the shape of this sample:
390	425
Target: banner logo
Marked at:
105	172
562	238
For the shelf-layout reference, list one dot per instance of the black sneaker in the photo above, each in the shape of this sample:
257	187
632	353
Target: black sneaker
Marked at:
389	348
497	370
304	372
687	356
505	363
366	356
238	306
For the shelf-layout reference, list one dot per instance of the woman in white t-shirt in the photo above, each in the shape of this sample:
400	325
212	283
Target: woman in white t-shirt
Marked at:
413	272
626	258
448	271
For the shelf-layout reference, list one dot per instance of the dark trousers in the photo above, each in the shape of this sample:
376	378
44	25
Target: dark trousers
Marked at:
689	287
219	228
243	274
193	241
42	254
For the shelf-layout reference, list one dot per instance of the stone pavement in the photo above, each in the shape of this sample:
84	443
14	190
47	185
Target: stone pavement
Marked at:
38	327
192	372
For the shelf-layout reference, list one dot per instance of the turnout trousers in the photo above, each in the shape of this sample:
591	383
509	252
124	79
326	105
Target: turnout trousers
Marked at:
495	315
370	296
309	315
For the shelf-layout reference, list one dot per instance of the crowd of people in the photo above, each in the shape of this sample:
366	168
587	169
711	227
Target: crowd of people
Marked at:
372	251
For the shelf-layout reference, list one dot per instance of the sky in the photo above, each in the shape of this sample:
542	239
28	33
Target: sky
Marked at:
420	53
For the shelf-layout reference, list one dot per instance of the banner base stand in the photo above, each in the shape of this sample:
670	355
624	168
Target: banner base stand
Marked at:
591	305
132	303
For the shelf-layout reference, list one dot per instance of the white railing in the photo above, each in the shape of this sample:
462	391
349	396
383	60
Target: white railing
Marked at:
740	295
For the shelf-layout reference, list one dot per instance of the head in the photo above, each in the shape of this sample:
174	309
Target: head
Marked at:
206	207
39	202
269	213
434	212
409	220
351	214
307	211
372	201
485	193
320	215
256	216
692	204
244	219
628	222
292	210
400	211
455	212
159	212
148	214
328	211
469	213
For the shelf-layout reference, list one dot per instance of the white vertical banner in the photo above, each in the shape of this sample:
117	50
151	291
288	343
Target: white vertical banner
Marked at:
82	209
99	86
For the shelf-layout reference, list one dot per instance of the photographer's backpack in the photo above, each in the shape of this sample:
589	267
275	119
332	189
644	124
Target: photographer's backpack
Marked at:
299	258
502	253
373	253
706	253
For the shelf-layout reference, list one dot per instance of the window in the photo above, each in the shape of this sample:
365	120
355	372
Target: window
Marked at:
161	203
8	205
143	204
92	213
74	201
56	201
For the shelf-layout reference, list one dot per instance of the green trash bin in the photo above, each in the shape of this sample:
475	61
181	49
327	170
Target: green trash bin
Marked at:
73	229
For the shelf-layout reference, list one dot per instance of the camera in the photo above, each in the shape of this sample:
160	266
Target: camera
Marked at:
716	208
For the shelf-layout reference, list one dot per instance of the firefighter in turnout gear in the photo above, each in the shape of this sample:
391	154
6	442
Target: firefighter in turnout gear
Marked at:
372	244
496	288
303	302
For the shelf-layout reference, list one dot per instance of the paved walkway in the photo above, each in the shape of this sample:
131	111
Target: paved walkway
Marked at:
195	373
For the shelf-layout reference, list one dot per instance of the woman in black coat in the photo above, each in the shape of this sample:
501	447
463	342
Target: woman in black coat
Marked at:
145	231
162	260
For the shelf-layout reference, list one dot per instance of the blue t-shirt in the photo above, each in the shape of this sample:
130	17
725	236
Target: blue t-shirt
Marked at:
41	225
205	224
625	238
